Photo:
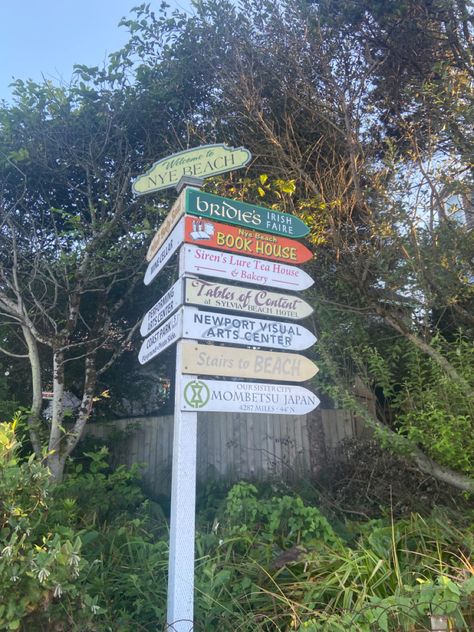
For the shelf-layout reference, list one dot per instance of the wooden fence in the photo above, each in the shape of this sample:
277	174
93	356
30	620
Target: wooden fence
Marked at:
231	446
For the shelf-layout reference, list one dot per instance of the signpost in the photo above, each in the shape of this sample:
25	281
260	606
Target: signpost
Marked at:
242	214
246	397
247	363
165	253
163	308
169	333
164	230
223	237
248	244
200	162
196	260
244	241
245	330
245	299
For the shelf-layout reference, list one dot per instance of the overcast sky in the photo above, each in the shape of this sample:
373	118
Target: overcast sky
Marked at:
45	38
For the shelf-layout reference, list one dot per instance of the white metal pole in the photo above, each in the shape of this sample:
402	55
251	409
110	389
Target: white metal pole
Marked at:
180	614
183	509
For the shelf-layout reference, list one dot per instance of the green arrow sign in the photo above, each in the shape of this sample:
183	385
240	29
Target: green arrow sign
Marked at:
242	214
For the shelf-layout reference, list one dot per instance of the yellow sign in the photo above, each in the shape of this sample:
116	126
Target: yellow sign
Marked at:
246	363
164	230
200	162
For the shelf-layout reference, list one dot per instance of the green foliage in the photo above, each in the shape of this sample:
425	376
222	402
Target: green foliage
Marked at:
94	493
431	408
261	566
92	554
41	562
282	521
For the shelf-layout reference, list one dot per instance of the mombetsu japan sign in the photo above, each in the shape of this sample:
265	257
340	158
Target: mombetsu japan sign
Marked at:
245	299
200	359
246	397
225	265
200	162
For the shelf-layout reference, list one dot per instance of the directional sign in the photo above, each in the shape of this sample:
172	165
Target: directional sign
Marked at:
243	241
196	260
246	397
244	330
247	363
244	299
228	237
201	162
164	230
163	308
242	214
165	253
163	338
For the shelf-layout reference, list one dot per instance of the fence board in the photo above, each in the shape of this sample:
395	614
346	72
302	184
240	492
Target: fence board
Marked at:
230	445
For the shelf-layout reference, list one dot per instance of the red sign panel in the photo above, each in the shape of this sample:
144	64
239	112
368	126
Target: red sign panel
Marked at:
243	241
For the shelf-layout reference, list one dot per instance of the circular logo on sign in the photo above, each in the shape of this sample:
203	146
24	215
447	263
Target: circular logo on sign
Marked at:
196	394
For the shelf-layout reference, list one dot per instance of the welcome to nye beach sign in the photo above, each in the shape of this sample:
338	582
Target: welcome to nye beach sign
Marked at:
201	162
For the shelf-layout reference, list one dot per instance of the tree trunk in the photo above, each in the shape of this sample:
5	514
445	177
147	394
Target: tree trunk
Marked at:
90	380
54	448
56	464
37	396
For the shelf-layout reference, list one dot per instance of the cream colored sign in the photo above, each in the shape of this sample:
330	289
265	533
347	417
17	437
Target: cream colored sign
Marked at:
168	224
245	299
246	363
200	162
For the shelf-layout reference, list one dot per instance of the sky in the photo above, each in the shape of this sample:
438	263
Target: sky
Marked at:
45	38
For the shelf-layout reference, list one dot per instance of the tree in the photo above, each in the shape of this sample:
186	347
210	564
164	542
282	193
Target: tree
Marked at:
71	246
359	117
350	103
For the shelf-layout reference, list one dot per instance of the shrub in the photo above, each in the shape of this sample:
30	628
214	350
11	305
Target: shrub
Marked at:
41	562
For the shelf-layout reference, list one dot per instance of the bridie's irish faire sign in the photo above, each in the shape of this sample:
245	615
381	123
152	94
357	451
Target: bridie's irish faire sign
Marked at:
201	162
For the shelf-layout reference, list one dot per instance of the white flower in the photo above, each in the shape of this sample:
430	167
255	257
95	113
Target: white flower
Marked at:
95	609
43	574
74	559
14	578
7	551
58	590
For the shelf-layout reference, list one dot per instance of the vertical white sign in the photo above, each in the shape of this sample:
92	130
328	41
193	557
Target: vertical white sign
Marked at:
165	253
